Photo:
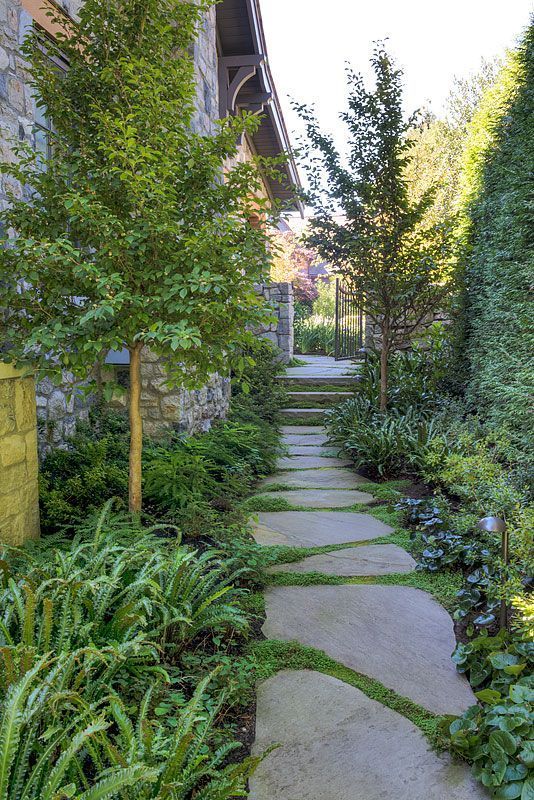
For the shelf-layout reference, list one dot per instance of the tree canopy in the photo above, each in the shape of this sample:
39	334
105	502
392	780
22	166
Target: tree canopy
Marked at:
131	236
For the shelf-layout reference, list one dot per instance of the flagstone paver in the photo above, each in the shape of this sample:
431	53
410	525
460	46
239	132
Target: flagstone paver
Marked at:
311	462
302	429
398	635
338	744
306	439
316	528
311	450
324	498
378	559
316	479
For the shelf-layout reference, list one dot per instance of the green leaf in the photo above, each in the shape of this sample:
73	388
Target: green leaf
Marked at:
504	740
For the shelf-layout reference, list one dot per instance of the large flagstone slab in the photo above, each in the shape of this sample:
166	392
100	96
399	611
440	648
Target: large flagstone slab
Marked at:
378	559
312	450
311	462
316	479
316	528
338	744
398	635
324	498
305	439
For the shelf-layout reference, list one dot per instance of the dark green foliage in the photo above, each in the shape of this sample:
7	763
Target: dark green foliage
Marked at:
90	701
256	388
494	661
415	374
384	444
186	478
497	738
497	255
91	470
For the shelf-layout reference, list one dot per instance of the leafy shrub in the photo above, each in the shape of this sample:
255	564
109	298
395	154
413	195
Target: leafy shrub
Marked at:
384	444
497	738
315	334
81	478
124	584
497	254
55	744
415	374
494	661
256	390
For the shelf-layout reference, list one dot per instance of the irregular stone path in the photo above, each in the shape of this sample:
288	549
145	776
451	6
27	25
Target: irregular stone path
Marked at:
337	743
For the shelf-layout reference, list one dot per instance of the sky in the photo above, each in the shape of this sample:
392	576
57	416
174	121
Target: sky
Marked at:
309	41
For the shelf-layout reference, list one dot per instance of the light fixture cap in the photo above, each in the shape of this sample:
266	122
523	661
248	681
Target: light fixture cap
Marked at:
492	524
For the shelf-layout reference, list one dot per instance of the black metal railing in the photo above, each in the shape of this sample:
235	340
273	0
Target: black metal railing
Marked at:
349	323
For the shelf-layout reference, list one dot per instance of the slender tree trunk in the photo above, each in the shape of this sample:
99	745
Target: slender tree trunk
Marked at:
136	431
384	354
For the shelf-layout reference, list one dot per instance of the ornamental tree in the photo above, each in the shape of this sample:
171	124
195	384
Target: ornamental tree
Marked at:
383	242
131	236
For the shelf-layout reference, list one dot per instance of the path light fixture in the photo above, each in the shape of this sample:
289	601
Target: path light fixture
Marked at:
498	525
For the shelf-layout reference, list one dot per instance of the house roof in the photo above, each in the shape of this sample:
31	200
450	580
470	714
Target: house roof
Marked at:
240	35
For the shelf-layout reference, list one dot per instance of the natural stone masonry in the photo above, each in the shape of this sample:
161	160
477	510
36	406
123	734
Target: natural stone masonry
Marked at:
338	744
279	296
398	635
324	498
378	559
338	479
19	494
316	528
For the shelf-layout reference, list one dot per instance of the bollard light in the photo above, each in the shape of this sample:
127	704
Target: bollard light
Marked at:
498	525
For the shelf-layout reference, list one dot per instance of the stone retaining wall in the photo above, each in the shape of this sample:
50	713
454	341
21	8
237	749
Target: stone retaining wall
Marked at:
19	494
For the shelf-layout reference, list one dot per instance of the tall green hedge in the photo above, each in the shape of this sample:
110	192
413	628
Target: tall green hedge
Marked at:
497	250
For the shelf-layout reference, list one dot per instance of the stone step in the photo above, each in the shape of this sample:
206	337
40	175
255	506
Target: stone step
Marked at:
310	461
332	742
302	412
333	398
323	498
319	380
316	528
334	478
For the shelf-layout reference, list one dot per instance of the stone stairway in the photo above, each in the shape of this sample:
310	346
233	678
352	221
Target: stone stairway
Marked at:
317	386
336	741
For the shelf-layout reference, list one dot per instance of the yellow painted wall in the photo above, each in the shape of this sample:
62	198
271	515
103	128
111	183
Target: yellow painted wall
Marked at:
19	494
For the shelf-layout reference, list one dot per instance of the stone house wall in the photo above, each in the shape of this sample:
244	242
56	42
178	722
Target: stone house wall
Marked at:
19	494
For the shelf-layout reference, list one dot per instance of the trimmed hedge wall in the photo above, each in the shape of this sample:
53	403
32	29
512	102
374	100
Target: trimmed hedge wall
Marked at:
497	231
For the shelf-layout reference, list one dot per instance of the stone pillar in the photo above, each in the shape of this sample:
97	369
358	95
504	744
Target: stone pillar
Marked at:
19	494
280	297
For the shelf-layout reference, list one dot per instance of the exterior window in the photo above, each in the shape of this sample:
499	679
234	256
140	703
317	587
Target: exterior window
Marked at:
43	128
